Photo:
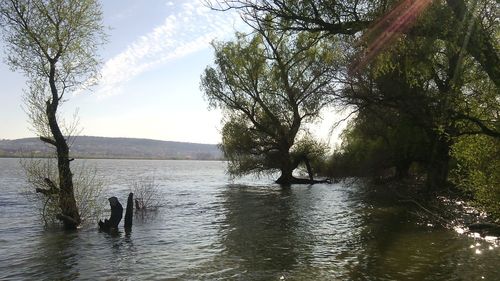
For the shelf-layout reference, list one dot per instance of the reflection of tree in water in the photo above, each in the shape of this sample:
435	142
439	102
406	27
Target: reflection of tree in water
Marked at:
56	256
259	234
331	233
380	224
260	229
87	254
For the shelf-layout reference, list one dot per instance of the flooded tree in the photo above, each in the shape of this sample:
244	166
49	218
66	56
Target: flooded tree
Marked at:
54	43
88	188
268	85
435	63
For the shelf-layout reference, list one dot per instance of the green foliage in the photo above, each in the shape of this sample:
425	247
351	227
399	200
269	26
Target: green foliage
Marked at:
66	32
477	170
308	149
52	42
416	99
245	148
268	84
427	93
377	141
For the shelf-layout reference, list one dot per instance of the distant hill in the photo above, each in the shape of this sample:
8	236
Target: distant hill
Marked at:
102	147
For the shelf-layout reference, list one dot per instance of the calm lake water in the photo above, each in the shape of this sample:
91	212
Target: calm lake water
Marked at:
213	229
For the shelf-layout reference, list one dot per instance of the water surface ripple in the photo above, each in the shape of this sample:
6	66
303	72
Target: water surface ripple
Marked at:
213	229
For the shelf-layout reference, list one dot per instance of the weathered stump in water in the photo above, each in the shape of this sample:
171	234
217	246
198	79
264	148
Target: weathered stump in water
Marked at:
116	215
129	212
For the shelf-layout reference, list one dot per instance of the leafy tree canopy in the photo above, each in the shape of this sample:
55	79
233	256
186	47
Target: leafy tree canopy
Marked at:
268	85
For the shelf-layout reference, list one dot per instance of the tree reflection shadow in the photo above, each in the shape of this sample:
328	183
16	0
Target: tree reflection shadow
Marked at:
56	256
259	234
396	245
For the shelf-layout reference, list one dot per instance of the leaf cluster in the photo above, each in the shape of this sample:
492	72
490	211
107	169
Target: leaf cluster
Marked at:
65	33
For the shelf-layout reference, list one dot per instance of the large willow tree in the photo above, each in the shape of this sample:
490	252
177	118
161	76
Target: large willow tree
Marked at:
445	79
268	85
54	43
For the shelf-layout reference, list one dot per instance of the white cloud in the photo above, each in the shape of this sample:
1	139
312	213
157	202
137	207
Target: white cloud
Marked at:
184	32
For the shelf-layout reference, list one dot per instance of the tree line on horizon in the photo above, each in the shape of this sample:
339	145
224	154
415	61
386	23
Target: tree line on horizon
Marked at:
114	148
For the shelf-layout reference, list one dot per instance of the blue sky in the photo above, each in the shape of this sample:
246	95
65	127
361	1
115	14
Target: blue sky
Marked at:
151	70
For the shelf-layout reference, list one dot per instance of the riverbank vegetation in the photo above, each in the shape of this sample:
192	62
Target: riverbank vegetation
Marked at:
420	79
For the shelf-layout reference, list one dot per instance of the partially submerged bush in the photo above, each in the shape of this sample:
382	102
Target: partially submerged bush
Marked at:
41	175
147	194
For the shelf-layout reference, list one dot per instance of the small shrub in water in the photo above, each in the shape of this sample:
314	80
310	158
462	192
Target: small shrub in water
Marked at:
147	194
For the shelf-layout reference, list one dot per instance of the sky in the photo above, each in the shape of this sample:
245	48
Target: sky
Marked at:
151	69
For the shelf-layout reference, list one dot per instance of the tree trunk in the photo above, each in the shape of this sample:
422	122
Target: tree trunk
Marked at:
67	203
438	167
286	178
286	166
309	170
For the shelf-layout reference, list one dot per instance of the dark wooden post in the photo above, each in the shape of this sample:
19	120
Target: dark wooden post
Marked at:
129	211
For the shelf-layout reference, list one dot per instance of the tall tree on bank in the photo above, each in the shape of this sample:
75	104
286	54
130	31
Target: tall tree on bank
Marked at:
54	43
268	85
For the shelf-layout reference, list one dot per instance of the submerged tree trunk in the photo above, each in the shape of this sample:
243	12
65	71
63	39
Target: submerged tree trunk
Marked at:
309	170
286	178
286	166
69	210
289	164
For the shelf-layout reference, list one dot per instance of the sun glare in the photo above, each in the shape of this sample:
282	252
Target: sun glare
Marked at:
390	27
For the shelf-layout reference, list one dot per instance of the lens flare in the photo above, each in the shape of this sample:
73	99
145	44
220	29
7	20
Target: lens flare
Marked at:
390	27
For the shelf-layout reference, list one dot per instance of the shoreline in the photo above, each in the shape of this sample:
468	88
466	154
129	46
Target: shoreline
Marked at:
450	208
109	158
